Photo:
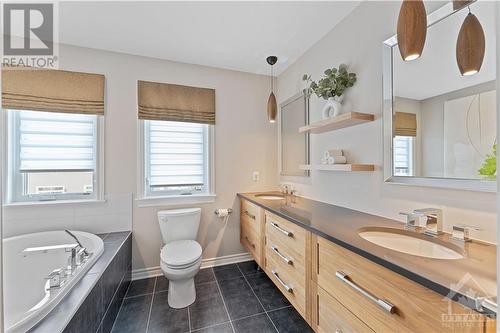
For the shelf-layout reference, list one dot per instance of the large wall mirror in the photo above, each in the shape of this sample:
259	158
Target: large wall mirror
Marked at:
294	146
439	125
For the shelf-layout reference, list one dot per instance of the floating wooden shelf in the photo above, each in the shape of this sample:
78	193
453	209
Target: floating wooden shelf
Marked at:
344	120
339	167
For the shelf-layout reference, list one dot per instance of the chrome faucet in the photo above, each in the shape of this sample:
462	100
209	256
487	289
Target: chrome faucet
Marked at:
78	242
461	232
56	278
434	220
411	220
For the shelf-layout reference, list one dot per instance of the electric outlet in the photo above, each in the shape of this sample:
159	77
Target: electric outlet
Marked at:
256	176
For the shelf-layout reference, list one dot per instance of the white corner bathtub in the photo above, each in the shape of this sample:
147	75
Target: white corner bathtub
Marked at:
27	299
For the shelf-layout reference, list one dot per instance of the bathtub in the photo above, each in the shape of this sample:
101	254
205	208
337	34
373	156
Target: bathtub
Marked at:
27	299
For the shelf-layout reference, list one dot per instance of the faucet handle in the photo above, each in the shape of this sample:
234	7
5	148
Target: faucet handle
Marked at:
411	219
461	232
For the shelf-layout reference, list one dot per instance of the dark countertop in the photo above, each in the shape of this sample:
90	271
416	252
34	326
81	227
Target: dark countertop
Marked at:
59	317
473	276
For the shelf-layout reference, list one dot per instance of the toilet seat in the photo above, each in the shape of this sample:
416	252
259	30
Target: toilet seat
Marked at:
181	254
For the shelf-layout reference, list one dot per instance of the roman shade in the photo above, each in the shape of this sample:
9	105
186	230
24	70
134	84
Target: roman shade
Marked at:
405	124
53	91
171	102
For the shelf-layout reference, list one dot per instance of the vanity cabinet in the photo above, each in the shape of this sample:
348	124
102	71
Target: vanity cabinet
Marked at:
337	290
287	259
384	300
252	230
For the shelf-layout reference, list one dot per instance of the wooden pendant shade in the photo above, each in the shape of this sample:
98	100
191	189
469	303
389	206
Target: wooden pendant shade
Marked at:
470	46
412	29
272	108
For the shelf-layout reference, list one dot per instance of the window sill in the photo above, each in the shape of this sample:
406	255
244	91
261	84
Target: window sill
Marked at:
52	202
175	200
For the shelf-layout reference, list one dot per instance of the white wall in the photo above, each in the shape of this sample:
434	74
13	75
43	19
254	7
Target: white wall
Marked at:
243	143
357	41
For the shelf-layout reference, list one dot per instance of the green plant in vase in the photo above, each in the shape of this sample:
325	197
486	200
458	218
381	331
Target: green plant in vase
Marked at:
331	87
489	167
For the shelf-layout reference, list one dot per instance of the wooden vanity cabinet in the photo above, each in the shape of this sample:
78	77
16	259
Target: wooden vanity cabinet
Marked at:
358	283
287	261
252	230
336	290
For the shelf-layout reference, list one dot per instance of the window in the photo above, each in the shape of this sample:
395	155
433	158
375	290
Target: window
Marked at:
176	158
52	156
403	156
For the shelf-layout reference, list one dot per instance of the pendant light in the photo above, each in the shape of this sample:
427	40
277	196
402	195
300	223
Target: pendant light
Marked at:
470	46
412	29
272	108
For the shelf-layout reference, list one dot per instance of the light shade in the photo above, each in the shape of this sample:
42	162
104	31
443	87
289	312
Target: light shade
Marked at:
470	46
412	29
272	108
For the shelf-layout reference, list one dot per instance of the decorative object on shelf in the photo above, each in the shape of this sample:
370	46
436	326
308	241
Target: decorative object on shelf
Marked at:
412	29
333	156
489	167
272	107
470	46
331	87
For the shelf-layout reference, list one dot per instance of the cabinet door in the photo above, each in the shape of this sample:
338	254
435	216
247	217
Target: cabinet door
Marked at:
252	230
333	317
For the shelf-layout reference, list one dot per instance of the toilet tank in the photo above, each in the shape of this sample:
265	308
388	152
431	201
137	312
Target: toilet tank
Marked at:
179	224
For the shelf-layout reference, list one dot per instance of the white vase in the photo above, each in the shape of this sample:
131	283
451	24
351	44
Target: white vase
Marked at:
333	107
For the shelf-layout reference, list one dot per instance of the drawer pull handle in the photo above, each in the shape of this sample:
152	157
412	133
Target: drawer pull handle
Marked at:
384	304
280	229
248	214
287	288
285	259
250	242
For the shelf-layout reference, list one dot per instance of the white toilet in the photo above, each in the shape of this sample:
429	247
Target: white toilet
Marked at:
180	257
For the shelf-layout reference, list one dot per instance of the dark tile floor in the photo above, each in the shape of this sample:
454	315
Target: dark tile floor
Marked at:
232	298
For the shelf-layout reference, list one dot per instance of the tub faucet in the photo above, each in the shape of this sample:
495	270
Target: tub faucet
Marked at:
56	278
434	220
85	252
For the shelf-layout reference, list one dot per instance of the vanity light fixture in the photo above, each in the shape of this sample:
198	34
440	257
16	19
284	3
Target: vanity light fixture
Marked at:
272	108
470	46
412	29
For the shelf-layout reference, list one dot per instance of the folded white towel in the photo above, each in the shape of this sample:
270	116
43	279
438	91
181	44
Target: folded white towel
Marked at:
333	152
337	160
336	152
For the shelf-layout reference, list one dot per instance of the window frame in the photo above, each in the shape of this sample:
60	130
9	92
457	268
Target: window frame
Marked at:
13	179
144	196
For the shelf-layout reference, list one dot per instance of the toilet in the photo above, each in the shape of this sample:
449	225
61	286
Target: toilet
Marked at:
181	254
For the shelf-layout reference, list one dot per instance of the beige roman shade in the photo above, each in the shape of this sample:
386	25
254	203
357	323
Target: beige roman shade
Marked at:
163	101
52	91
405	124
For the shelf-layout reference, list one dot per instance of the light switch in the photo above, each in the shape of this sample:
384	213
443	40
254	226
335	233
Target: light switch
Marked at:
256	176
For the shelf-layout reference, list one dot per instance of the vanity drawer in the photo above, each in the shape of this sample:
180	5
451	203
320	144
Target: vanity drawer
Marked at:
286	279
251	213
251	240
288	236
331	316
352	280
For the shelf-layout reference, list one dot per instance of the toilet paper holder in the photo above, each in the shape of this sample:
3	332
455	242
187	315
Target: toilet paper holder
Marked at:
223	212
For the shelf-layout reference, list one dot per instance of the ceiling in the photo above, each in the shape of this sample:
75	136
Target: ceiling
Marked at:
231	35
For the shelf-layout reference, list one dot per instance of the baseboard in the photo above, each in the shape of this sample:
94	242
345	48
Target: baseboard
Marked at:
148	272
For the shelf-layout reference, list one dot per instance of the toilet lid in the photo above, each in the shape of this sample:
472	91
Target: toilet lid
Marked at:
180	253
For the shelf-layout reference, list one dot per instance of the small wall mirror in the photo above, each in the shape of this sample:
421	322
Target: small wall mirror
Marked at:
440	126
294	146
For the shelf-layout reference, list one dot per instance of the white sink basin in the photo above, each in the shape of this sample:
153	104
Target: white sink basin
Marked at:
270	196
398	241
